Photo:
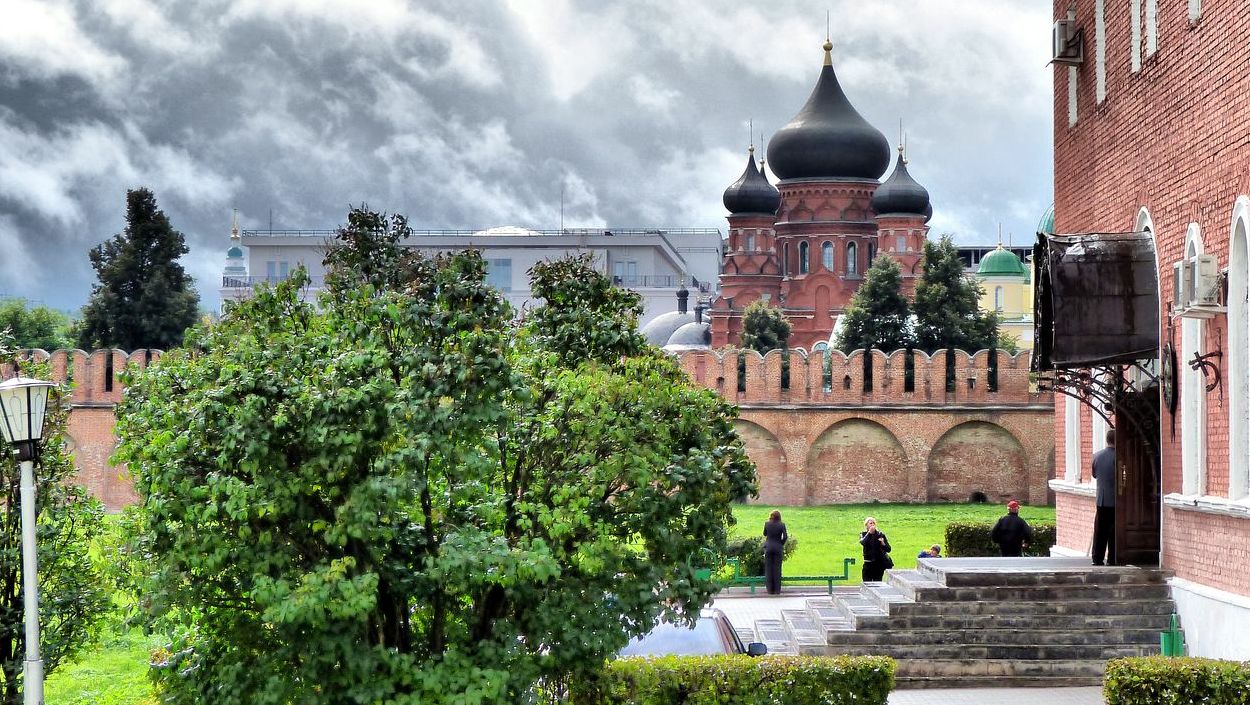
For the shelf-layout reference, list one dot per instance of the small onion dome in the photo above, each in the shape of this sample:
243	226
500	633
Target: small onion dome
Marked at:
1047	224
1001	263
692	336
828	138
662	327
752	193
900	193
235	252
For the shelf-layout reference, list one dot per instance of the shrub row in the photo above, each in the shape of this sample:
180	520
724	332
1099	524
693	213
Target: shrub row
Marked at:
968	538
741	680
1155	680
750	553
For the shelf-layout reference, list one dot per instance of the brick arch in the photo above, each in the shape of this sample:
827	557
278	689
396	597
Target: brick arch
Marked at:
856	460
977	456
778	485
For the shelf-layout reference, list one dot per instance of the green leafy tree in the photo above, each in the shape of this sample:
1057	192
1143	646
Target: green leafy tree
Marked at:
73	598
37	327
403	496
764	327
144	298
947	315
878	315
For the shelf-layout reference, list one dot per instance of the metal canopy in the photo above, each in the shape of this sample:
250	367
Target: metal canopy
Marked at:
1096	298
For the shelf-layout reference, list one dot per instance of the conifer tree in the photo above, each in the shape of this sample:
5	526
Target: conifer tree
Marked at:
878	316
764	327
144	298
947	315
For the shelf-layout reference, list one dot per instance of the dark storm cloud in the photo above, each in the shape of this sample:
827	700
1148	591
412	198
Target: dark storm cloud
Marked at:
469	115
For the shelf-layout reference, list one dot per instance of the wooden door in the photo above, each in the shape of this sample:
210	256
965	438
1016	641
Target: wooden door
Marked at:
1137	479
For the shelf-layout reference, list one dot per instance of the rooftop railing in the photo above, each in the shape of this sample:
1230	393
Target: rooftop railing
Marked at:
576	232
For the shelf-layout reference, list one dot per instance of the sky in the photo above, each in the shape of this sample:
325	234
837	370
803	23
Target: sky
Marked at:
474	114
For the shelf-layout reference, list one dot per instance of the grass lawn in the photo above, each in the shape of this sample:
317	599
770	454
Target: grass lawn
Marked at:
827	534
114	673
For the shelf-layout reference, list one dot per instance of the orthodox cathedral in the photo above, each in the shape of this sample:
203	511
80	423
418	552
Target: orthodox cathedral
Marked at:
806	243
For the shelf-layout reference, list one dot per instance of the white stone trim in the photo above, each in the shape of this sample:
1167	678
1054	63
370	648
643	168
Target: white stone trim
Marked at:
1058	551
1080	489
1208	504
1071	439
1195	10
1238	343
1100	52
1134	42
1152	27
1072	75
1215	621
1193	401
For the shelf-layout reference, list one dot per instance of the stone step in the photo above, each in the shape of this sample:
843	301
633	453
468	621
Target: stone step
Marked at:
870	620
885	595
920	682
805	629
1031	593
1037	607
831	617
957	669
1143	637
908	581
774	634
982	652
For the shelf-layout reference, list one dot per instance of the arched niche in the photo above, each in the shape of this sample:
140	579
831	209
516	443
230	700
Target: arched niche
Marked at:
977	456
856	460
777	484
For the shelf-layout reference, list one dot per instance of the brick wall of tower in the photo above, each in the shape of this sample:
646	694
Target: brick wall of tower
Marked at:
1172	138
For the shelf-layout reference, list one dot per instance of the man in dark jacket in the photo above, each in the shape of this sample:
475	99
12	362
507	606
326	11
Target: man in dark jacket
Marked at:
1012	533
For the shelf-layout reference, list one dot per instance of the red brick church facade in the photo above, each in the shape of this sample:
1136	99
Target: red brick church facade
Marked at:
805	244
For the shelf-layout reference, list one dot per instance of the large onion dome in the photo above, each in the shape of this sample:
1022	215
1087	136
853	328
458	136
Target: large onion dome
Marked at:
752	193
692	336
900	193
1002	263
828	138
662	327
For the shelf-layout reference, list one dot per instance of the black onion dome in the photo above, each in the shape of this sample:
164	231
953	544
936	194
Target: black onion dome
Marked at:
752	193
901	194
828	138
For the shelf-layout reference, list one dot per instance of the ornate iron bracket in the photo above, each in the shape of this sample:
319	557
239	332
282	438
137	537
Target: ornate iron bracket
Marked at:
1209	369
1100	388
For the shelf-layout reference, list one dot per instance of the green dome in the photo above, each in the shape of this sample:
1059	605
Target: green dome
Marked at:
1047	223
1001	263
235	253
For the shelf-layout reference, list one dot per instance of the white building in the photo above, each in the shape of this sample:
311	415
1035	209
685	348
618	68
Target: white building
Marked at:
654	262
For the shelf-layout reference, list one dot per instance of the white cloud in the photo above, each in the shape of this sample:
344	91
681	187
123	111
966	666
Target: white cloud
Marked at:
579	46
18	269
148	26
652	96
42	39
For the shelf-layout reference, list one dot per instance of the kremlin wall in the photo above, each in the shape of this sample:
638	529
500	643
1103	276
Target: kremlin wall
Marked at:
849	429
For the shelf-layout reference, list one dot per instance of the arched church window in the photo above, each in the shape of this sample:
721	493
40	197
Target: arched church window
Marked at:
785	259
852	260
826	256
802	258
751	243
998	298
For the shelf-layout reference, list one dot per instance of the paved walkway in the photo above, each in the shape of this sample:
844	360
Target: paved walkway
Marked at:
743	609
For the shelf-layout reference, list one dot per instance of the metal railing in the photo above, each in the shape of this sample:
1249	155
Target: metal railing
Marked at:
247	282
579	232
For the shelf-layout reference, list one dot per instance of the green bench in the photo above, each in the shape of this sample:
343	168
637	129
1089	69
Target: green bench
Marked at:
754	581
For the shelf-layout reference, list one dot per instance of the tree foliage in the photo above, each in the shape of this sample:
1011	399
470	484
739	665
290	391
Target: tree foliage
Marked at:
947	315
72	595
34	327
878	315
403	496
144	298
764	327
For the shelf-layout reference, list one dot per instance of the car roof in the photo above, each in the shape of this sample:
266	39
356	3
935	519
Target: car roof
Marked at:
711	634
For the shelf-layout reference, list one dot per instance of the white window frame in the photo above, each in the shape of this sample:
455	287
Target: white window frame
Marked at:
1134	35
1195	10
1098	427
1193	401
1152	27
827	257
1100	52
998	299
1071	439
852	258
1238	340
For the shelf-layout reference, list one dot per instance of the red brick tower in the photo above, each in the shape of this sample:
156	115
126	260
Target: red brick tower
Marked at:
902	208
751	269
828	159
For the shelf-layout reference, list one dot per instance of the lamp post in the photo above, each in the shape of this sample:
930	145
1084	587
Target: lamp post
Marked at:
23	402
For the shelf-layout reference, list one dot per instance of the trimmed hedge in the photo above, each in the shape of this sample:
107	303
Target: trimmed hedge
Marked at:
741	680
750	553
1155	680
967	538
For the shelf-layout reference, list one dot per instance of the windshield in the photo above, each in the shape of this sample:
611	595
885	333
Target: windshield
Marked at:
675	640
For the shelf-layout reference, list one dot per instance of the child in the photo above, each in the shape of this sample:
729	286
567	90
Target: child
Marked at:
934	551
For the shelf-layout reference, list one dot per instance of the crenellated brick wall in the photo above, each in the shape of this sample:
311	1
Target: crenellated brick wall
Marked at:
824	439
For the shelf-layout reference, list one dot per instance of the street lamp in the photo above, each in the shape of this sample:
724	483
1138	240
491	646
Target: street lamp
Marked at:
23	402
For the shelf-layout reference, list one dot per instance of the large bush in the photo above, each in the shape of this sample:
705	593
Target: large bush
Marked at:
741	680
970	538
401	496
1157	680
749	552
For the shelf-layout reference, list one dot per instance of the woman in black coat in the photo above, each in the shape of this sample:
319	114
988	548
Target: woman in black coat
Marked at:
774	545
876	551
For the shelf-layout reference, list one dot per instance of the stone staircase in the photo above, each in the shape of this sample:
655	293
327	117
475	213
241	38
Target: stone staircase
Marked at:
986	622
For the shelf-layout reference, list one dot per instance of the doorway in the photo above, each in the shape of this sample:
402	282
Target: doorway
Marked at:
1137	498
